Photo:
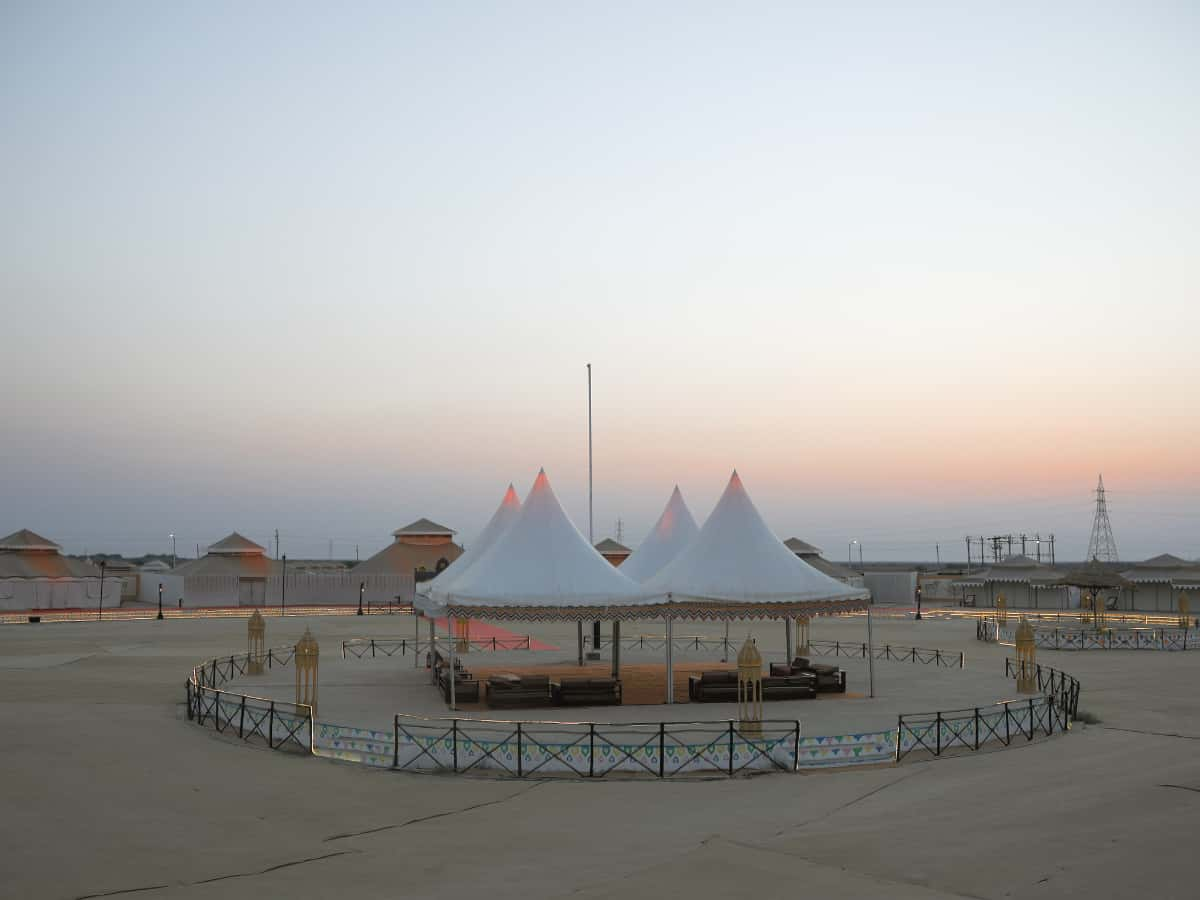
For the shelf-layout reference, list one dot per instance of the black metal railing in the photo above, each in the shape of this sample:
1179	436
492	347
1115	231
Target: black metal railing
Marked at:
593	749
281	725
844	649
360	648
969	729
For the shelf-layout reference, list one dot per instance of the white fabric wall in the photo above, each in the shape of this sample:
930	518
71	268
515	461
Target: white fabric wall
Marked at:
302	590
892	588
148	588
57	593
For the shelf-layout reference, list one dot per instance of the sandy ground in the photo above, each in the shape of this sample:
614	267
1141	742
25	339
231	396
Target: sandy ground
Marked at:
108	790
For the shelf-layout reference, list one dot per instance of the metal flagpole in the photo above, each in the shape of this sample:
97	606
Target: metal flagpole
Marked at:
591	535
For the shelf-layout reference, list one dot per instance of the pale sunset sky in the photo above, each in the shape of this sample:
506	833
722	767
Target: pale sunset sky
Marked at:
915	270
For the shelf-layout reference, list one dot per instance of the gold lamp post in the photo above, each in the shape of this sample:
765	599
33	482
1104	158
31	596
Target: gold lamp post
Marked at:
802	636
307	657
1026	661
462	630
1001	610
256	636
1097	611
749	663
1183	610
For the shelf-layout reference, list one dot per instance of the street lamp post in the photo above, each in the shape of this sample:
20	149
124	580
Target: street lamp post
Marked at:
100	610
361	586
283	587
160	615
850	554
918	603
172	537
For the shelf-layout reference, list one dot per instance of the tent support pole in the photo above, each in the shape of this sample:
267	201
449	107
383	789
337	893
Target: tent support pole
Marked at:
616	649
787	628
416	640
870	656
670	662
452	642
432	648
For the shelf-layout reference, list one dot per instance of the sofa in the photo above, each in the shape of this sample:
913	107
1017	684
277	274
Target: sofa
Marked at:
586	691
518	690
722	686
830	679
466	688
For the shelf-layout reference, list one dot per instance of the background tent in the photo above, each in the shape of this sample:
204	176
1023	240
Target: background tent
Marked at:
673	531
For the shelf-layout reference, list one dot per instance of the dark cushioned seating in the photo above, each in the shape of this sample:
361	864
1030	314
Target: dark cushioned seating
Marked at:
466	688
586	691
722	687
513	690
830	679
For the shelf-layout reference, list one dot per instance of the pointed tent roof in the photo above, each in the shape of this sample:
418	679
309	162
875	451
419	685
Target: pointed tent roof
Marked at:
1164	561
736	558
541	562
1094	575
1018	569
423	527
26	540
501	520
235	543
672	532
1165	568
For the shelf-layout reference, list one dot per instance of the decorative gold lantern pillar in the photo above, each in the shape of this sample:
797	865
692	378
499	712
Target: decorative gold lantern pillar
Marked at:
1097	611
1183	610
256	635
749	663
1026	662
802	636
307	656
1001	610
462	630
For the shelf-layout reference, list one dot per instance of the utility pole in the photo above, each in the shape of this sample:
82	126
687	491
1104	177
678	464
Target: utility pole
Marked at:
277	543
937	548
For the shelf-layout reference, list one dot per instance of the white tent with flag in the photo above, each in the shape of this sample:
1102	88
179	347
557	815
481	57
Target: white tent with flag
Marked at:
736	559
673	531
541	567
427	597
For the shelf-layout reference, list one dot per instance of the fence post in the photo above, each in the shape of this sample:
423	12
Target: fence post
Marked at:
1007	726
271	726
1031	718
591	749
188	687
837	648
662	749
270	660
914	654
520	764
938	735
796	756
937	656
395	742
242	719
372	648
454	728
962	659
899	735
731	747
977	728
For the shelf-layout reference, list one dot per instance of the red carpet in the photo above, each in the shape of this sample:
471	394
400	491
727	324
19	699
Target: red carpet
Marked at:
483	631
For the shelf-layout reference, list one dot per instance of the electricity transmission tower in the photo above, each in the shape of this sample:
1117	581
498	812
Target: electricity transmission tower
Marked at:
1102	546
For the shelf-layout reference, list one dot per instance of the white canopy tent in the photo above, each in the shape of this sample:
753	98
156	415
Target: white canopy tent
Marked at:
541	567
736	567
735	558
673	531
431	594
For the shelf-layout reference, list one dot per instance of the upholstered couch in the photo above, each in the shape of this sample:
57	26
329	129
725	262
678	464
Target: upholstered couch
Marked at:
518	690
721	686
586	691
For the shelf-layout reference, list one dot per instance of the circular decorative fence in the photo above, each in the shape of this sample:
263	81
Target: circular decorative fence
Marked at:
525	749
